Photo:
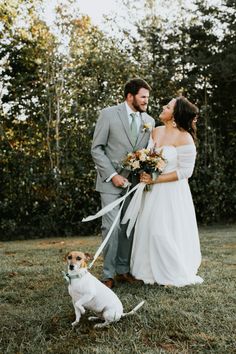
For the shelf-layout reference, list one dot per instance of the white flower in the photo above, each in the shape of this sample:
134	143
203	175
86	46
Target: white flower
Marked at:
135	165
147	127
143	156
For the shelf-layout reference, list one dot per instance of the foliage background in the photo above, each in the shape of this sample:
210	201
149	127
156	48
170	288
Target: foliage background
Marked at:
51	95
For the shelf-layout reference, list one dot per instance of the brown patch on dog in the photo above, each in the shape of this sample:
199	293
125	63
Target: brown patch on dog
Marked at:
89	257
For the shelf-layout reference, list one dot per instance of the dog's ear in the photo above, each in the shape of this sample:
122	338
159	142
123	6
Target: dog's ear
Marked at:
65	257
88	257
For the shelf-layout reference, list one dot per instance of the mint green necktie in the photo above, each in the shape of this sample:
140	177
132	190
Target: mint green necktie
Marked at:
134	128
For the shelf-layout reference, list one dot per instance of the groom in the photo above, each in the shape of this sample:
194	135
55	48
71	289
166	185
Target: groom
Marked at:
119	130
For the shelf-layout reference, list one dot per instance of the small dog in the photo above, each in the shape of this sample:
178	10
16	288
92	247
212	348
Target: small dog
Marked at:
88	292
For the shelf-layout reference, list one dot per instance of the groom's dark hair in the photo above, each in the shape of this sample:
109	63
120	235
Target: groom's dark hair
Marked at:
134	85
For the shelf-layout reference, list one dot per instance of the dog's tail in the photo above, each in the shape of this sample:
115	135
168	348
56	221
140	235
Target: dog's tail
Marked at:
132	312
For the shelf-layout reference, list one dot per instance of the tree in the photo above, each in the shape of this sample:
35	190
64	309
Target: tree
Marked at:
54	97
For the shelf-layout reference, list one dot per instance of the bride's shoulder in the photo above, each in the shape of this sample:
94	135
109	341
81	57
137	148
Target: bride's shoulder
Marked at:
159	128
157	131
184	138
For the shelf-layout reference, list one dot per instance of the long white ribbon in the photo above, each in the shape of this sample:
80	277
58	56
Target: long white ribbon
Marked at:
132	211
110	206
103	211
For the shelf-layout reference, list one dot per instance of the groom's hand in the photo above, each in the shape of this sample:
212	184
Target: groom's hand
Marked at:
119	180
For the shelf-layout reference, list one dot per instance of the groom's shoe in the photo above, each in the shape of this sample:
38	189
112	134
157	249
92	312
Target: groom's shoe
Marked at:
109	283
128	278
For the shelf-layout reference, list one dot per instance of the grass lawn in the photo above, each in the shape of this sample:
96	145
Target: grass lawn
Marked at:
36	309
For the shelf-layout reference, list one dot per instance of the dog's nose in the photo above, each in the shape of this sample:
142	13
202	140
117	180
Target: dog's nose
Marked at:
71	267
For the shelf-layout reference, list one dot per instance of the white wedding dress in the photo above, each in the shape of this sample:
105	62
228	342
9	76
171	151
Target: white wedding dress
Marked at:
166	248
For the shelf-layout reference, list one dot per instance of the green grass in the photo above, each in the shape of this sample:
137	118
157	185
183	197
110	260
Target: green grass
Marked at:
36	309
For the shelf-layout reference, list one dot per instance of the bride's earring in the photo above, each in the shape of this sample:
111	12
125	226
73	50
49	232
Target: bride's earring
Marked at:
174	124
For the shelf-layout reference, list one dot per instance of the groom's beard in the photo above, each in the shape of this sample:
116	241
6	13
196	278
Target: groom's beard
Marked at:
139	107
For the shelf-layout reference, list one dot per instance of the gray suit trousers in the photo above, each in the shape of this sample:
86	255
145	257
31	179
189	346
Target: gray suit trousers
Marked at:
117	251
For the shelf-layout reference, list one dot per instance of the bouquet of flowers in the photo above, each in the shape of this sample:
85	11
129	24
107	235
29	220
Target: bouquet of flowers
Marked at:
145	160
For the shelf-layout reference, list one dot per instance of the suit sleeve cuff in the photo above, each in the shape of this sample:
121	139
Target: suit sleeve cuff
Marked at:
109	178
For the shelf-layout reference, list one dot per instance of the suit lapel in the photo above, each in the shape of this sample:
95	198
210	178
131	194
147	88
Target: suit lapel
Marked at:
122	112
141	130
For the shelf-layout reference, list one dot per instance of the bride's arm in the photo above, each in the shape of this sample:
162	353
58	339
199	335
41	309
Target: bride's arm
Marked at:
186	161
165	177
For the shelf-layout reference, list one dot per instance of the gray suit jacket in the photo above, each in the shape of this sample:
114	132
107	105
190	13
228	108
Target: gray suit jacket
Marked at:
112	141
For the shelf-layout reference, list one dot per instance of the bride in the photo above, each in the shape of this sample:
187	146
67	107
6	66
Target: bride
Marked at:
166	248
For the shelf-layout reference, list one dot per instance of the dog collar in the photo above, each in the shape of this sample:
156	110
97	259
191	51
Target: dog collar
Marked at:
68	277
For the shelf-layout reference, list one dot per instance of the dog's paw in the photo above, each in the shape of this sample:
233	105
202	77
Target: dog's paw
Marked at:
73	324
93	318
101	325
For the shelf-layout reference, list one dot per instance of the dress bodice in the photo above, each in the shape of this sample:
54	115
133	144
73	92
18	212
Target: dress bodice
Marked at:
169	152
178	158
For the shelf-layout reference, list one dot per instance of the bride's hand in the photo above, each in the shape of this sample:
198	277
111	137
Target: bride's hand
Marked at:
146	178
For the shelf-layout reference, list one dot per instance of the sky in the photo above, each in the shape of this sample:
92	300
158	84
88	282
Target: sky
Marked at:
96	9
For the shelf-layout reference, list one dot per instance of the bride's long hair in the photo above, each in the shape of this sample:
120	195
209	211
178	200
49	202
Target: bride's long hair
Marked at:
185	115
